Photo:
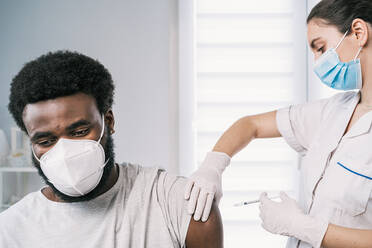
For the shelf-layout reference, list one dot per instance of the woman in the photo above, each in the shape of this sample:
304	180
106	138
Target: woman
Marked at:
333	135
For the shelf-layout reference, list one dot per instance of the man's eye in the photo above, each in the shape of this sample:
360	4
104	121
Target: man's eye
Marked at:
80	132
321	49
46	143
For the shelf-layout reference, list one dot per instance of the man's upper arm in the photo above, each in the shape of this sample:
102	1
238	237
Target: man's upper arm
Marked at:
206	234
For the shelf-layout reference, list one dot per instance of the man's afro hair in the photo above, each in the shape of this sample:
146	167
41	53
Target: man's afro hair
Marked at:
58	74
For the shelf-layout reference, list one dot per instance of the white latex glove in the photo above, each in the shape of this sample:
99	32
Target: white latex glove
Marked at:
205	184
286	218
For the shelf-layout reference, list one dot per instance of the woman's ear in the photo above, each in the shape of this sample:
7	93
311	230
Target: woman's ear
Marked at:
360	30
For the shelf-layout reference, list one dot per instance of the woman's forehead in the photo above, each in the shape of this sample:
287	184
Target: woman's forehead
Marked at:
319	29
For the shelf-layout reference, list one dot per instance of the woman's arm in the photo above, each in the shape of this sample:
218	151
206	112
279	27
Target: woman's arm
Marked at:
342	237
204	185
243	131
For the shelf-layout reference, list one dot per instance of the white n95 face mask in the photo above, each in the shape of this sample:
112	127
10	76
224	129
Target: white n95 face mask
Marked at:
74	167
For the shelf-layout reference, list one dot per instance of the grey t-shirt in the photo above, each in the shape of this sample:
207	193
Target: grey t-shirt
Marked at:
145	208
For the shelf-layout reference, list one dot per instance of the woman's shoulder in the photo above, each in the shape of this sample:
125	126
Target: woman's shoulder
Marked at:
339	100
342	98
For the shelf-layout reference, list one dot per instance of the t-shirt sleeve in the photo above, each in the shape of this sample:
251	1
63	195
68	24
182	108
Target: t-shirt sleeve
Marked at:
4	235
299	124
174	207
12	223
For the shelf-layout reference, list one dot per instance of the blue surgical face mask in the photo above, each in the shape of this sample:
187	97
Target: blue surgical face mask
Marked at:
336	74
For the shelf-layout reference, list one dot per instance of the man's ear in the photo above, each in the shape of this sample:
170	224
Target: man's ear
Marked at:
360	30
110	121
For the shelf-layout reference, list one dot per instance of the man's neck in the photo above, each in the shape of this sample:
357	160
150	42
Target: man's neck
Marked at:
111	180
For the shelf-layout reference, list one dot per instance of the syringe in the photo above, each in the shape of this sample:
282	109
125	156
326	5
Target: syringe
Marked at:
244	203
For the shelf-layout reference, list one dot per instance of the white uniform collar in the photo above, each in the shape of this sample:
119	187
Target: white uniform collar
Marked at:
363	124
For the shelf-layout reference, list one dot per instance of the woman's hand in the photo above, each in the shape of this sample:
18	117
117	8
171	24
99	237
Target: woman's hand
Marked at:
205	184
286	218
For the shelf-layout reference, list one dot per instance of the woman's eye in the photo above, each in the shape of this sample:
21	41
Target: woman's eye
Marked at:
321	49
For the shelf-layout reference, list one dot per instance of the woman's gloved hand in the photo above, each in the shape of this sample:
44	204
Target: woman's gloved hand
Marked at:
205	184
286	218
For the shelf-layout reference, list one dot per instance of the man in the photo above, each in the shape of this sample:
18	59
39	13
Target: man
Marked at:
63	101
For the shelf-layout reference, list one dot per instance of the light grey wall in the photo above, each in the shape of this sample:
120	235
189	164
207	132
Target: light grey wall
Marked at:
135	39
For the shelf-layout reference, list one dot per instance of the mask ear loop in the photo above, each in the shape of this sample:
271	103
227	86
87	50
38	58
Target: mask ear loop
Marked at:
357	55
103	128
343	37
33	152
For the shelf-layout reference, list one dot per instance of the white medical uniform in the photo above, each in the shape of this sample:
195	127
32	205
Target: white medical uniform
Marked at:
336	167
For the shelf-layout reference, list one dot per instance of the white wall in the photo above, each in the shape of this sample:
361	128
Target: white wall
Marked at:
135	39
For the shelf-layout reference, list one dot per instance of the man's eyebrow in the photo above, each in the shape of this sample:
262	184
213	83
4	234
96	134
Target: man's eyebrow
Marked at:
313	42
39	135
77	124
